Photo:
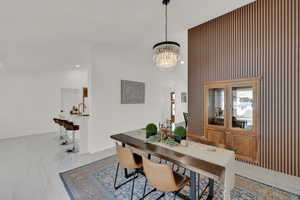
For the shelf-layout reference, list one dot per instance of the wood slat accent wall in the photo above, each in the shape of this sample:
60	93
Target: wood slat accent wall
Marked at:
260	39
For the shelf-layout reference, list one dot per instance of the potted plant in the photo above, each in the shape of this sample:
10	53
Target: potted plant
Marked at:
179	134
151	129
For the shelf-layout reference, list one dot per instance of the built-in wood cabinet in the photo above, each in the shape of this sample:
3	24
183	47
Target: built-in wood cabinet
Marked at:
231	115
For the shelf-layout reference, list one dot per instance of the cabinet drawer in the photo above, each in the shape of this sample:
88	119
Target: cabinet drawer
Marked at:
216	136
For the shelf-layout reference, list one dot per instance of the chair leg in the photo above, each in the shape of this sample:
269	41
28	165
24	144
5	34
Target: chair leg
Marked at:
60	133
116	177
153	190
161	196
132	189
115	182
65	140
203	191
198	186
176	193
145	187
73	150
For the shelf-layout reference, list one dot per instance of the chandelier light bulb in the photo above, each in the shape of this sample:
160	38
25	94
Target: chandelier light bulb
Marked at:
166	53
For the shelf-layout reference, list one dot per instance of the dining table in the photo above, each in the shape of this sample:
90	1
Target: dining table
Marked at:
199	157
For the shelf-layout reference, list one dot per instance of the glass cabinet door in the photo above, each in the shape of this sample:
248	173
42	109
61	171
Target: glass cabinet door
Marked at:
216	106
242	107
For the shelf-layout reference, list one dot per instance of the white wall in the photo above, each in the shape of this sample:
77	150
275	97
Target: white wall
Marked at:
29	101
110	65
69	98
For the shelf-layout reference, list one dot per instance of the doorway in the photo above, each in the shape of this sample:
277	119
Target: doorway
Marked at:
70	97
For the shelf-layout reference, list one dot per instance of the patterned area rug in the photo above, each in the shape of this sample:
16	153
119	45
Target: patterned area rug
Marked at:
95	182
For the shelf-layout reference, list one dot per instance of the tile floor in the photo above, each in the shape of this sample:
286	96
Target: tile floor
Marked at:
30	166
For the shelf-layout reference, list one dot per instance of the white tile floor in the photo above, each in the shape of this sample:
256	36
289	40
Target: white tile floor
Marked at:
30	166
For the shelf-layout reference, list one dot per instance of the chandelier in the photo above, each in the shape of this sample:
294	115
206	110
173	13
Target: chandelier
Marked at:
166	53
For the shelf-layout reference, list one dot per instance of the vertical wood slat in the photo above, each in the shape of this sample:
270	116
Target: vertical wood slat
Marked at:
297	93
260	39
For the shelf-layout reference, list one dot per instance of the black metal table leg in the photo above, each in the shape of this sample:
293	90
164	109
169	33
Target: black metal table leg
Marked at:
193	180
211	189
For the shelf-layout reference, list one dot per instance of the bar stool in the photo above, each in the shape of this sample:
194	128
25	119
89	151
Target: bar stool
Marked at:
59	123
69	126
163	178
128	160
63	124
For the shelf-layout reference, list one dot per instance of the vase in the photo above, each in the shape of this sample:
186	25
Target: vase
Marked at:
178	138
149	134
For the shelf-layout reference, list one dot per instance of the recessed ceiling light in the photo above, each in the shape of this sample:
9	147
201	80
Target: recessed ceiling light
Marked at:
182	62
77	66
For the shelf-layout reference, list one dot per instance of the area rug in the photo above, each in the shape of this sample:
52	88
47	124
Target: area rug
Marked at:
95	182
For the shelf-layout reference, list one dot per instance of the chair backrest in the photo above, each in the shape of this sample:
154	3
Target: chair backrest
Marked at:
125	157
186	119
159	176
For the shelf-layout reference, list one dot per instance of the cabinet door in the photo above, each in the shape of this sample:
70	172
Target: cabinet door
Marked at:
242	108
215	107
243	120
246	147
216	136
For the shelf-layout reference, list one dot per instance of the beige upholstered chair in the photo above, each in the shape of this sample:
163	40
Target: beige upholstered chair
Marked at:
163	178
128	160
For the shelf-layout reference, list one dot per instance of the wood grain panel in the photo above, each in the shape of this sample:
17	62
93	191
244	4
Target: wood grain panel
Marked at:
260	39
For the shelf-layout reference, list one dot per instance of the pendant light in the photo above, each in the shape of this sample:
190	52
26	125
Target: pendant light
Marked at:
166	53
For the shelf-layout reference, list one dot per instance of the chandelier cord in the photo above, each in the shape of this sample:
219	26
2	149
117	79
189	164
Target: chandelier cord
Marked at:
166	22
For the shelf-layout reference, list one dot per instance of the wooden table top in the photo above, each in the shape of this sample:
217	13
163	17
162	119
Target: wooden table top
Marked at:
168	154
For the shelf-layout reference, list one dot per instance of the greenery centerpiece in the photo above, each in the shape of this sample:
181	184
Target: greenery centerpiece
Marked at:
151	130
163	139
179	134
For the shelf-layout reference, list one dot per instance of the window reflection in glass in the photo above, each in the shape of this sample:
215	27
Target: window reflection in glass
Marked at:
242	107
216	106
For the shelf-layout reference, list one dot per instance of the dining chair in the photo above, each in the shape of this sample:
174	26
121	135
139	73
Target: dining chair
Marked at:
64	124
58	122
128	160
163	178
186	119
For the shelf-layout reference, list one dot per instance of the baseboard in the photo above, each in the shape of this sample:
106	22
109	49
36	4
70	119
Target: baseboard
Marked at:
108	152
27	135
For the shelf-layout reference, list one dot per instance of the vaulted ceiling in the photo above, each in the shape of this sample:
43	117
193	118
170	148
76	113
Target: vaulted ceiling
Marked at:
64	26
